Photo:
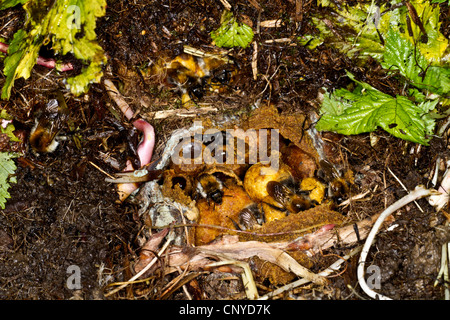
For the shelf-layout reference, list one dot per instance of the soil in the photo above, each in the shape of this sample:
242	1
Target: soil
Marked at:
63	213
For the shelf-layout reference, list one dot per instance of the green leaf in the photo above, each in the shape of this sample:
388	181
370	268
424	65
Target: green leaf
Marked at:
9	129
5	4
70	26
365	109
232	34
364	26
7	168
20	61
433	49
358	25
400	54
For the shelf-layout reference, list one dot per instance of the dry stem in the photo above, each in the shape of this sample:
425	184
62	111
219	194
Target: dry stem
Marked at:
419	192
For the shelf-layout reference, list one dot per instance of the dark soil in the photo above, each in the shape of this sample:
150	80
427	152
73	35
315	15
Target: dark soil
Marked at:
63	213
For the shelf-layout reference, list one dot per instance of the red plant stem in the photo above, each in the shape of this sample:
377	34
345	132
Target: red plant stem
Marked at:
144	151
4	47
49	63
145	148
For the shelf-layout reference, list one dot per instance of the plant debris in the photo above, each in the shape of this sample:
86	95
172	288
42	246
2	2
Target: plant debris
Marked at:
286	90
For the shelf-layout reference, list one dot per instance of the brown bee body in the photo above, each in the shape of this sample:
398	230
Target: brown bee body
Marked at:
194	75
210	188
250	217
338	187
48	124
291	201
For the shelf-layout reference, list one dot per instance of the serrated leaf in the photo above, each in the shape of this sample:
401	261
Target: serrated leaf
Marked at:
70	26
400	54
436	43
9	129
22	55
5	4
366	108
7	168
231	33
364	26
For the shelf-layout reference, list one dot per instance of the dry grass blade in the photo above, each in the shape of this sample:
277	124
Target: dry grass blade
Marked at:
192	112
140	273
115	95
247	277
243	250
418	193
177	283
334	267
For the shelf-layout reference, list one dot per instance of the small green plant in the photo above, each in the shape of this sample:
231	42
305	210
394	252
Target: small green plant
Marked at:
366	108
409	46
231	33
69	26
7	165
7	169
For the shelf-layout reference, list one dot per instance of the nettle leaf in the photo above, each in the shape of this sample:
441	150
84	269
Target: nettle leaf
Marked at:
69	25
22	55
366	108
231	33
7	168
5	4
9	128
360	27
364	26
400	54
433	46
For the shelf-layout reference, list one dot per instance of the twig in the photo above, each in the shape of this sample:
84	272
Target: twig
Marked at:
436	172
357	197
226	4
441	199
193	112
100	169
271	23
223	55
175	284
403	186
140	273
247	277
118	99
444	270
419	192
334	267
281	40
255	60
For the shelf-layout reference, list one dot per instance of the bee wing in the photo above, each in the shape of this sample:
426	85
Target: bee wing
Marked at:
329	170
279	192
55	127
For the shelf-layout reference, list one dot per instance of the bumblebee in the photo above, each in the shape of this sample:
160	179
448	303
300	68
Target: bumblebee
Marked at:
338	186
48	123
195	89
250	217
221	78
210	188
194	75
293	202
